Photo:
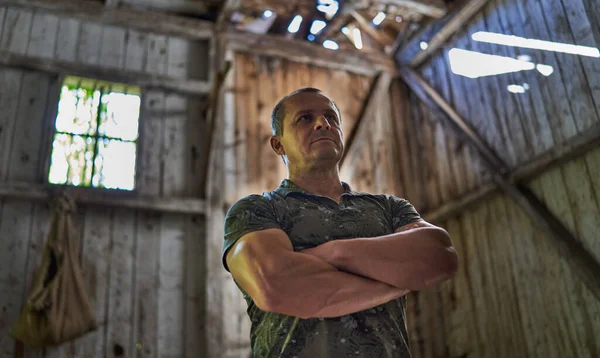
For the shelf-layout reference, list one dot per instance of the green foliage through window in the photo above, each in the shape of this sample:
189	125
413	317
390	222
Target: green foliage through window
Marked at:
96	131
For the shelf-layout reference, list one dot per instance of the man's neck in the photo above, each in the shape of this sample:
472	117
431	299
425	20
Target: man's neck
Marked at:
319	183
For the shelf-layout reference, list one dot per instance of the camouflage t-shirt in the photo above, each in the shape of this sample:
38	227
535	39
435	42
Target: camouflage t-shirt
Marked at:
310	220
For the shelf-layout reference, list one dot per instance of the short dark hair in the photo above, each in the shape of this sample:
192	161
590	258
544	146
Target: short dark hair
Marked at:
278	114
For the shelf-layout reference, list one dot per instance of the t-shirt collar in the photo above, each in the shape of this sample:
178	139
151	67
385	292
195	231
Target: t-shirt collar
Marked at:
287	186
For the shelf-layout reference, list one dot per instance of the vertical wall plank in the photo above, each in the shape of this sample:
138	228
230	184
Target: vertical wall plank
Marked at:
572	72
2	19
119	330
177	65
67	40
24	157
96	243
175	145
171	300
112	47
157	54
17	27
43	36
195	319
88	47
146	285
10	87
15	231
136	50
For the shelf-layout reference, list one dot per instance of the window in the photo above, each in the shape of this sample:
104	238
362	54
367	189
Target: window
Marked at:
96	131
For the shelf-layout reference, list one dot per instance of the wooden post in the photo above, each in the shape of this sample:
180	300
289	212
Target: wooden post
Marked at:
581	261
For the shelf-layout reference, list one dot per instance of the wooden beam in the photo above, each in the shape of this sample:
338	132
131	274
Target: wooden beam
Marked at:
112	4
191	87
559	154
438	32
377	92
431	8
104	197
225	14
90	11
364	63
367	27
581	261
172	6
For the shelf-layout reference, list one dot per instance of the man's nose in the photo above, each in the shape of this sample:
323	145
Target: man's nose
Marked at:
322	123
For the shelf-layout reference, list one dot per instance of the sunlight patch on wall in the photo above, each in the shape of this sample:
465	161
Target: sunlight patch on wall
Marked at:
516	41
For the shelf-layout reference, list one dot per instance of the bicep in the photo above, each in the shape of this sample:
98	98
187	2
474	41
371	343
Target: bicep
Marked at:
253	257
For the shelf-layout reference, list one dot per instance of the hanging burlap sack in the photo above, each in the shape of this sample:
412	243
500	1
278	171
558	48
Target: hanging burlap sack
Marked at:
57	308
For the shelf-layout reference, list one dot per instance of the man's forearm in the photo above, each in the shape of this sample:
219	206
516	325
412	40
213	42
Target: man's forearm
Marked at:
323	291
411	260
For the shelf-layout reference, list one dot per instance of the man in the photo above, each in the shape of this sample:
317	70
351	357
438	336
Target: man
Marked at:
325	269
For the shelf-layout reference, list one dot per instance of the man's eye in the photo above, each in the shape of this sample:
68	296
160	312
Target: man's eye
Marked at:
304	117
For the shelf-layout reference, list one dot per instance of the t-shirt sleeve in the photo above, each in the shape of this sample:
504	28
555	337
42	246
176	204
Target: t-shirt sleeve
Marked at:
252	213
402	212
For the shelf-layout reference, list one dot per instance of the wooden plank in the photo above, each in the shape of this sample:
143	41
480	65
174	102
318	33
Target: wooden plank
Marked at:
88	46
178	57
512	21
112	48
267	160
2	19
400	112
104	198
583	35
145	287
551	186
435	39
493	125
171	282
136	57
43	36
121	259
175	149
367	26
157	54
24	157
172	6
86	70
96	245
431	8
67	40
512	111
195	319
17	27
573	75
560	113
365	63
15	229
10	88
90	12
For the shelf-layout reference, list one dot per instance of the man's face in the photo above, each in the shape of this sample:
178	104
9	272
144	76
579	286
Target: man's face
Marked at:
312	132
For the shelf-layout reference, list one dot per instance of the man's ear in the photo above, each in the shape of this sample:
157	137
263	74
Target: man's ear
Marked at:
276	145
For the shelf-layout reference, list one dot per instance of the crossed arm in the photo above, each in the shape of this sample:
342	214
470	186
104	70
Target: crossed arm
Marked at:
341	276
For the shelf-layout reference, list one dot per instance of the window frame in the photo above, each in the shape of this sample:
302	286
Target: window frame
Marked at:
50	132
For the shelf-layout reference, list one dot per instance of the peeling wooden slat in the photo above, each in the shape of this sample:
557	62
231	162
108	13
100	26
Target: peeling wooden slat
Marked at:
90	11
119	200
115	75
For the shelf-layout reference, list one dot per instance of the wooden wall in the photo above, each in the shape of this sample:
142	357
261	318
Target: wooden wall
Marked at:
144	271
518	127
514	296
